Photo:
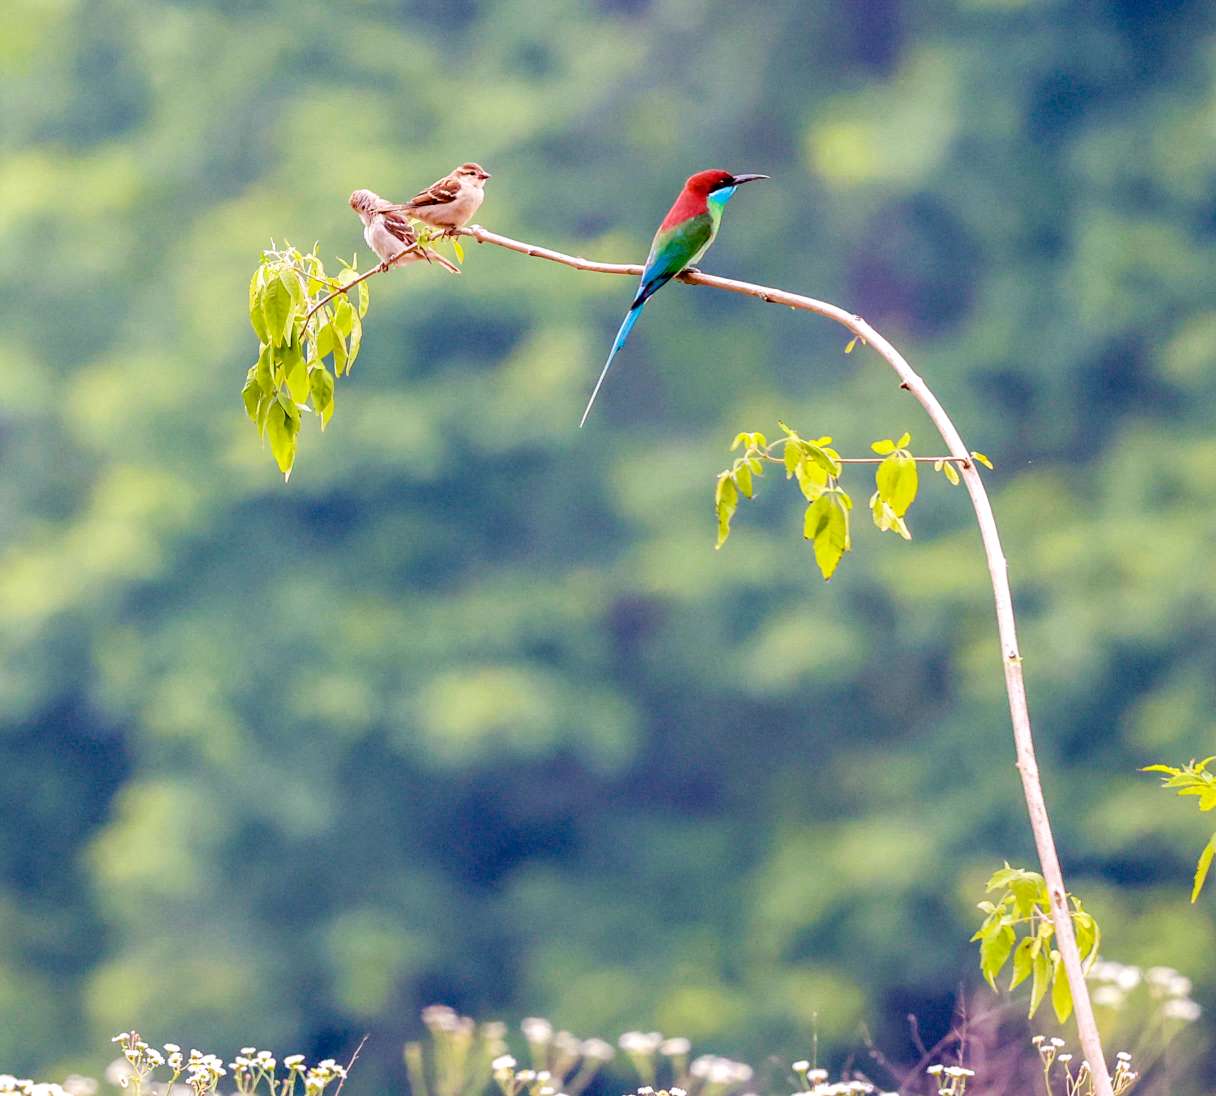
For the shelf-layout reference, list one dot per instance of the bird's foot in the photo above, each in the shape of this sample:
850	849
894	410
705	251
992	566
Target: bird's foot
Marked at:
384	266
691	270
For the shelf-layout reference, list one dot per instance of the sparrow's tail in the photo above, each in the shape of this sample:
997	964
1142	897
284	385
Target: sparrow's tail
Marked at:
631	317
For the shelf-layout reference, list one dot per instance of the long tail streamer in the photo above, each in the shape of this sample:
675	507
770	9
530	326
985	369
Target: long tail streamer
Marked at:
631	317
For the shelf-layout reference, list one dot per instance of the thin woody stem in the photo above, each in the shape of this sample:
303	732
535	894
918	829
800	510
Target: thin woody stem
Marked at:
350	285
381	269
1011	656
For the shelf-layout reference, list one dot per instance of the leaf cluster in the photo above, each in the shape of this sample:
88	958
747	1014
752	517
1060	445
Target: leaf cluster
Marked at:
297	332
817	467
1018	925
1193	779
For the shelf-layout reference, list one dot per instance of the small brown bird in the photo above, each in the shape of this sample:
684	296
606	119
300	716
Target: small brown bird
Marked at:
451	201
389	234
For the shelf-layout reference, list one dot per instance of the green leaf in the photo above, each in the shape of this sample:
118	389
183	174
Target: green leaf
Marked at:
827	459
1201	869
812	479
882	448
282	426
1061	994
743	477
905	439
951	473
740	439
264	407
265	368
251	394
295	289
356	340
995	949
982	459
324	341
897	480
1042	979
794	453
726	501
297	379
364	298
1023	960
850	345
257	318
341	357
458	250
321	385
827	526
277	312
343	316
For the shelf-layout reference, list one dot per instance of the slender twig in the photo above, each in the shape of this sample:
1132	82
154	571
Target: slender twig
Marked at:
353	1058
962	461
351	285
1011	656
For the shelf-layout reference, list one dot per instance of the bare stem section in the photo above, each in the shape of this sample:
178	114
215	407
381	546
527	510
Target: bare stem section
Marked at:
1011	656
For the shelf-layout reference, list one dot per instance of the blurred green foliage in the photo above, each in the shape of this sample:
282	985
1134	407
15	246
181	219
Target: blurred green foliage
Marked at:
472	711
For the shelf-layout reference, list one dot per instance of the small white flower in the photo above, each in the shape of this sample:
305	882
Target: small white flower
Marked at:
640	1042
675	1046
597	1049
503	1063
536	1029
1124	1056
1128	978
1180	1009
1179	986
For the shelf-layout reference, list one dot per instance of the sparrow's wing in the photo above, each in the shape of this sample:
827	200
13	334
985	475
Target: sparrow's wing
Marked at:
439	193
398	227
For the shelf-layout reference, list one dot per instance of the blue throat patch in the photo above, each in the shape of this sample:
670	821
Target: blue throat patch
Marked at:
719	198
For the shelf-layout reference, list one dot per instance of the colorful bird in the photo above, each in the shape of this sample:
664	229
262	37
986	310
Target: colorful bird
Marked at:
451	201
684	236
389	234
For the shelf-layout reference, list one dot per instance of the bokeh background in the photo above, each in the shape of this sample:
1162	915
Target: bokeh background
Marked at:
471	710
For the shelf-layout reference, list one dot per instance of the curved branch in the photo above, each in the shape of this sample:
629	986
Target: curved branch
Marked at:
1011	657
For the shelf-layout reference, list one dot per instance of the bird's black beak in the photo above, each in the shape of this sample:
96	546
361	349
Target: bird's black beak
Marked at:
741	179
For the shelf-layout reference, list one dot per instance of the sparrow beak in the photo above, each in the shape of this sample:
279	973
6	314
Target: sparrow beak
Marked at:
741	179
486	175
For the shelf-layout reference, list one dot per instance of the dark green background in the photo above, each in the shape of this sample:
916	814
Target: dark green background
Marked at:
471	710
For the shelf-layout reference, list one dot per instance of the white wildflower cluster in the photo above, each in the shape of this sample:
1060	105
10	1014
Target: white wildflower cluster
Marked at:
562	1063
1167	988
815	1082
652	1053
458	1054
569	1062
951	1080
199	1073
1079	1081
720	1072
23	1086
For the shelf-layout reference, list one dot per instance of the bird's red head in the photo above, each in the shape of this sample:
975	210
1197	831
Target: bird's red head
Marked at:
706	182
703	182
